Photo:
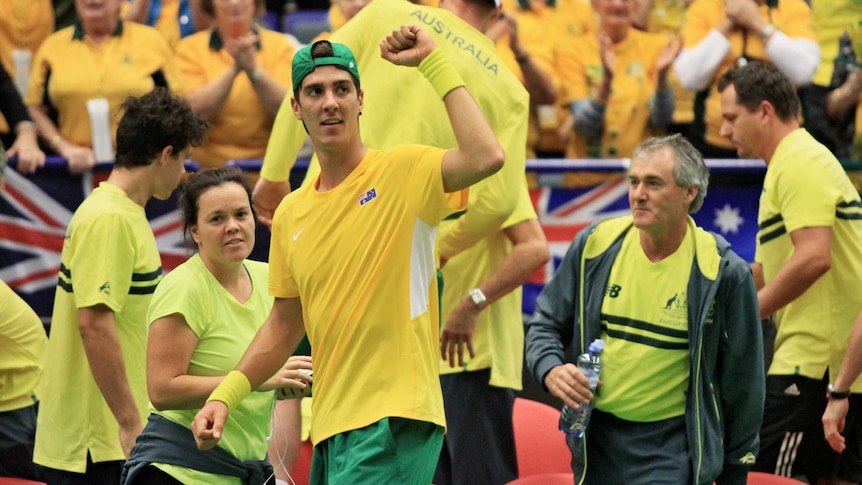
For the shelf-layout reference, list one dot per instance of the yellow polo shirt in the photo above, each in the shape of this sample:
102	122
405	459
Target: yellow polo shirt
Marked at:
69	69
242	125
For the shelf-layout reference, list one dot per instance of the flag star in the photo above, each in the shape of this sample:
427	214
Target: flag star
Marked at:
727	219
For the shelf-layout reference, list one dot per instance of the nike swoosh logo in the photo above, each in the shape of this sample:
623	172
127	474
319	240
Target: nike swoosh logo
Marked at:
296	236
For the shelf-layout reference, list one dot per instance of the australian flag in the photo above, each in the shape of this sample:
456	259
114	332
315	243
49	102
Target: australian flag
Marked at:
34	213
367	197
730	209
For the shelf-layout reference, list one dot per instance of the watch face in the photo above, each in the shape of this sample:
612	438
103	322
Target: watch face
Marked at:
477	296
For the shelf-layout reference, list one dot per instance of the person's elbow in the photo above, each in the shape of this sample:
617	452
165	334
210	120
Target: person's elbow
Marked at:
820	265
493	160
541	253
159	400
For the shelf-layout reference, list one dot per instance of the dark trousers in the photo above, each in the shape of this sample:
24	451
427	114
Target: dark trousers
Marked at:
102	473
479	446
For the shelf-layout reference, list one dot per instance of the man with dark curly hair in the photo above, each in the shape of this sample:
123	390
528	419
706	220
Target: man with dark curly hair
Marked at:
96	395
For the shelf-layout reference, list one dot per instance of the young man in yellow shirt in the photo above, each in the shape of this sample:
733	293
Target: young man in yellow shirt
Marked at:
352	263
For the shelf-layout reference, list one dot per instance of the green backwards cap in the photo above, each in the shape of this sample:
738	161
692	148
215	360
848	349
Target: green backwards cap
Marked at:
304	64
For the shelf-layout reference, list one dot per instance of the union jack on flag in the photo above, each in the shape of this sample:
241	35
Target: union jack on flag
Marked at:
34	213
730	209
367	197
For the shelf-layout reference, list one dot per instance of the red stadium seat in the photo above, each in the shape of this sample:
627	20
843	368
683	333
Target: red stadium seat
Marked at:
302	468
18	481
760	478
545	479
540	446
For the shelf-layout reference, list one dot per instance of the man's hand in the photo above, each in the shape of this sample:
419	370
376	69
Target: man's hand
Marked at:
208	424
290	374
26	148
458	331
407	46
568	383
80	159
833	423
266	196
667	55
243	49
606	52
128	434
745	13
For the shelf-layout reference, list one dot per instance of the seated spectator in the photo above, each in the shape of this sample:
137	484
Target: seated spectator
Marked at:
25	146
99	57
719	34
236	76
539	28
202	317
666	17
175	19
843	114
616	84
834	20
24	25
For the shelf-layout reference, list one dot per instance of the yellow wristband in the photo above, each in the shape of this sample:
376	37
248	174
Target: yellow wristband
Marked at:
440	73
232	389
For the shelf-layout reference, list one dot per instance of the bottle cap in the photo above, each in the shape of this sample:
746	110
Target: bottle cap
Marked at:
596	346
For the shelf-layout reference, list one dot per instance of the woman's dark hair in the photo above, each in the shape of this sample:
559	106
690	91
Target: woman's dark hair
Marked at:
198	183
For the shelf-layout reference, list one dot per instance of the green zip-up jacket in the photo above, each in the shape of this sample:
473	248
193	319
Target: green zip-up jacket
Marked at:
726	389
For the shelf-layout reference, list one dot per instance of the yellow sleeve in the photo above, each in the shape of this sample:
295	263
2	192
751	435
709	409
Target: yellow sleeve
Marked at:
285	140
190	63
36	85
170	67
798	20
700	18
279	59
572	70
524	210
493	199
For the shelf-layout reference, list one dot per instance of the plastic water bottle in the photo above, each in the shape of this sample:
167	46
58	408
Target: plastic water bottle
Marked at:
574	421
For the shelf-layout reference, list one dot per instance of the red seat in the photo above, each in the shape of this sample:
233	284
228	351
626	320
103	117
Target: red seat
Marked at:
302	468
540	446
545	479
18	481
760	478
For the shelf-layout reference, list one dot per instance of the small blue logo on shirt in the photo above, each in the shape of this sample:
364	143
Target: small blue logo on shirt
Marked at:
367	197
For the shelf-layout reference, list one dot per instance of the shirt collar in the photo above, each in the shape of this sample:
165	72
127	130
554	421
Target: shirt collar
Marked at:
78	32
216	42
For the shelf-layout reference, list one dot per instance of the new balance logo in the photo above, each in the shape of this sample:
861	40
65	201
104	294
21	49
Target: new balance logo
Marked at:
791	390
105	288
613	291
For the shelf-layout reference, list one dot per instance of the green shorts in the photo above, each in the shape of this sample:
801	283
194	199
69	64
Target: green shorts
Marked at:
392	450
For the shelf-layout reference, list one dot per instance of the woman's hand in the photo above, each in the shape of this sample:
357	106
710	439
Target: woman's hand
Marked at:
243	50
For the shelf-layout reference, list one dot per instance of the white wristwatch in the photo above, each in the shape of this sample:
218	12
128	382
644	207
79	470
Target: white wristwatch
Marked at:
766	32
477	297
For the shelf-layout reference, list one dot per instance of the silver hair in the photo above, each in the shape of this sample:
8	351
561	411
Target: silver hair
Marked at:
689	168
